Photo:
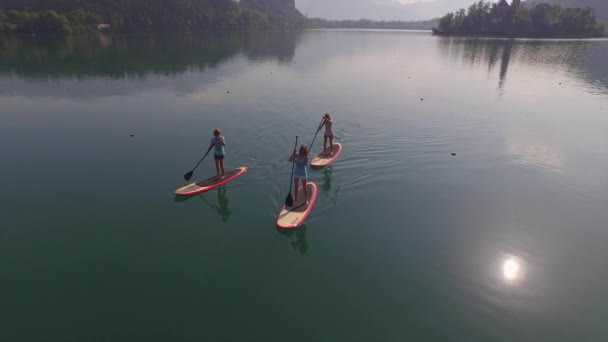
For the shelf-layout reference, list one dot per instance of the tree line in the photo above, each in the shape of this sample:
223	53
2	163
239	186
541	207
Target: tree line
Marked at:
78	16
487	19
318	23
599	6
78	21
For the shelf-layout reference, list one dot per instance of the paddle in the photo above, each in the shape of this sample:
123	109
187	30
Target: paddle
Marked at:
188	175
289	198
313	139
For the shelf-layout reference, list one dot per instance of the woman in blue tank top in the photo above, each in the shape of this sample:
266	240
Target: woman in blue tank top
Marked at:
299	174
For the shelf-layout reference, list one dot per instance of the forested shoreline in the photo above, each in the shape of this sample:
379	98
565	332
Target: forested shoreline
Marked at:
82	16
501	20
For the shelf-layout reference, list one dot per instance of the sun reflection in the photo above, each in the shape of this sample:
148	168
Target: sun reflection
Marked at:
511	270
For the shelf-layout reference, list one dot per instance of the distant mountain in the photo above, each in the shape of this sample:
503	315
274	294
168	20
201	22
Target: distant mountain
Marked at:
388	10
318	23
600	6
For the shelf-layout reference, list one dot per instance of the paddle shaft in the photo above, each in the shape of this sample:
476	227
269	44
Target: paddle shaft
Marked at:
188	175
293	165
313	139
200	161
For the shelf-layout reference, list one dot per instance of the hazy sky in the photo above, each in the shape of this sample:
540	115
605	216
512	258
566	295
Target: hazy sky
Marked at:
380	9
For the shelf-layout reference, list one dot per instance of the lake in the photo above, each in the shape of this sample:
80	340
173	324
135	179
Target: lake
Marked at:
503	241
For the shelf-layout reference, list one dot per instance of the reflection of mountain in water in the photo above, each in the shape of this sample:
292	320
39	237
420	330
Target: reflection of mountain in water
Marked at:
585	59
136	55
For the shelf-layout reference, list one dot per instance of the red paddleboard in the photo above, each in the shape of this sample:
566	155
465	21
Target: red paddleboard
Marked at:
210	183
293	217
326	158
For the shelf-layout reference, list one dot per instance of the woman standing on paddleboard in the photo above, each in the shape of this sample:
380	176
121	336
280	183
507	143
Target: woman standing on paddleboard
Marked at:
219	153
300	174
329	133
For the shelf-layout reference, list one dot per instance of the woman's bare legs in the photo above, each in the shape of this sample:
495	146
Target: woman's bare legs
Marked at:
217	168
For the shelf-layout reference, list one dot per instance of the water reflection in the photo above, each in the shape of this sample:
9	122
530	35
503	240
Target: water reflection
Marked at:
535	152
581	58
504	64
297	239
124	56
222	207
327	172
100	65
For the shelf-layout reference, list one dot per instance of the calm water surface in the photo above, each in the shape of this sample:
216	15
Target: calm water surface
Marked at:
506	241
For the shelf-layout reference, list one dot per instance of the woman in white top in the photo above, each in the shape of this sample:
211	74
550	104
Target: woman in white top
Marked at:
329	133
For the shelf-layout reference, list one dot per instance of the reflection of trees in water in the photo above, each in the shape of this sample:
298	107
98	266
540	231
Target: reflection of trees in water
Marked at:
482	51
586	59
121	56
504	63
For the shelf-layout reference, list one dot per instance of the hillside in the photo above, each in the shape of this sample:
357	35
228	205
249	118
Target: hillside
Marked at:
503	20
282	13
600	6
79	16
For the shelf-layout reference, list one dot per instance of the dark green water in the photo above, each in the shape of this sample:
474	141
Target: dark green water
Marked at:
506	241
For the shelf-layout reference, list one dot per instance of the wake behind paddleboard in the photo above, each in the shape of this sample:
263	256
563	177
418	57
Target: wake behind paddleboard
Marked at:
293	217
210	183
325	158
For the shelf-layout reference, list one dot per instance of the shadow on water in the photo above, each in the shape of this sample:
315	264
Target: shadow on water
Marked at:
297	238
222	207
582	58
123	56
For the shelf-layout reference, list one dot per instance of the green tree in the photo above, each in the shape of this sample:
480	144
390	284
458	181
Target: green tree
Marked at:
483	18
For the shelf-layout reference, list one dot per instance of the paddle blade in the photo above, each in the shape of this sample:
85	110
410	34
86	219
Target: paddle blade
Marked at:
188	176
289	201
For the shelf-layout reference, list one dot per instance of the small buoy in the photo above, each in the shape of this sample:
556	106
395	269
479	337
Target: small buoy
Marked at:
228	92
132	135
421	99
453	154
560	82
